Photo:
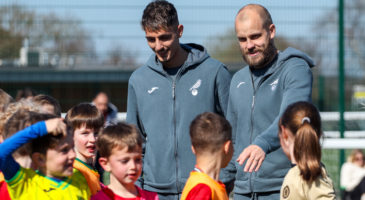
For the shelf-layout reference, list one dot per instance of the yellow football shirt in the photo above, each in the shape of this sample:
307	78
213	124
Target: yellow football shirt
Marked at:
28	184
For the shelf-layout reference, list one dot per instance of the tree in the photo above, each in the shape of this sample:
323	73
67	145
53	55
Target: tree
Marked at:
327	27
225	48
119	57
9	45
65	36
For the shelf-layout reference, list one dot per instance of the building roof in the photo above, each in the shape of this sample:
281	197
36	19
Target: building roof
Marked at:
49	75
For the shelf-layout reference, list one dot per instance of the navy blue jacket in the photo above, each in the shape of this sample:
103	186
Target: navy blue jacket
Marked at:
257	100
163	109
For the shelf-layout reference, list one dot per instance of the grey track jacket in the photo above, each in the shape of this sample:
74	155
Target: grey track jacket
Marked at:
257	100
163	109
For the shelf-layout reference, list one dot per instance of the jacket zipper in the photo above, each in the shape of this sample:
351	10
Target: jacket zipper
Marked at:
252	109
175	137
251	120
174	121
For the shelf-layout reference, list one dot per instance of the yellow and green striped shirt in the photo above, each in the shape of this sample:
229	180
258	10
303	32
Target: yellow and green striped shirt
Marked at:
28	184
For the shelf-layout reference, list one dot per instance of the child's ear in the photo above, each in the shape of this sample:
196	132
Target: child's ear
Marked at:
226	146
284	135
39	159
193	150
104	163
283	132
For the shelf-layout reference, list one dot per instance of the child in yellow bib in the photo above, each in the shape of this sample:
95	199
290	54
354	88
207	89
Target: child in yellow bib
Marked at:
211	143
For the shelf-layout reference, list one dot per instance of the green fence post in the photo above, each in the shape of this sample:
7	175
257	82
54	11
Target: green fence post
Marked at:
341	76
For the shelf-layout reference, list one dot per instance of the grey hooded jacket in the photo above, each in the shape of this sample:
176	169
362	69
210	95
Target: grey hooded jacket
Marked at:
163	107
257	100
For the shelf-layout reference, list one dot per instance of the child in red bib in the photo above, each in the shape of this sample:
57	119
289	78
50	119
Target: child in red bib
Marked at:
211	143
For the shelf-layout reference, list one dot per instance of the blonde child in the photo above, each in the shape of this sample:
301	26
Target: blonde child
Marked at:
211	143
86	121
353	175
120	149
300	133
48	104
53	154
5	100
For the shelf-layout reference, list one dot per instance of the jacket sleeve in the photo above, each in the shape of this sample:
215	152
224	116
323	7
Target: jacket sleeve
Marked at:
132	109
8	165
132	118
297	87
222	83
227	174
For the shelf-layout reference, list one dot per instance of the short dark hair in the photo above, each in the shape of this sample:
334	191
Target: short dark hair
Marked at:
118	136
209	131
43	99
84	113
159	15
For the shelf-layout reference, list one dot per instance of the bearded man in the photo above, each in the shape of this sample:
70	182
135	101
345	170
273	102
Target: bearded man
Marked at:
259	94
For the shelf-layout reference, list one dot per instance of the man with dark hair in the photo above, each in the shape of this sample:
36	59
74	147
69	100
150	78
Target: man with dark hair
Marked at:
259	94
177	83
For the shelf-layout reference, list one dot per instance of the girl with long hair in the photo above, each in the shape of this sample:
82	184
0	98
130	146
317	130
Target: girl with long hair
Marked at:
300	133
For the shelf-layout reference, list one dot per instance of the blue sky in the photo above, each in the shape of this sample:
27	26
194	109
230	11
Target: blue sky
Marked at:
117	21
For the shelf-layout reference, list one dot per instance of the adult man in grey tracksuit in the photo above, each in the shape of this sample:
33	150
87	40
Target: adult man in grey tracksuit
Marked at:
259	94
177	83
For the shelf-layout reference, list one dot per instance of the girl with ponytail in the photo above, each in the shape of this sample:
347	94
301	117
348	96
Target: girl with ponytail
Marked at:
300	133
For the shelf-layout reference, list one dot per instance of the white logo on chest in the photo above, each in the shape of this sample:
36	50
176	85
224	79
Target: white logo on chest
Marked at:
194	89
274	84
152	90
240	83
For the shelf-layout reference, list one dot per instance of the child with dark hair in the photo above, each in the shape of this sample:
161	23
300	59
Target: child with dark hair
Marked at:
300	133
211	143
86	122
120	149
53	154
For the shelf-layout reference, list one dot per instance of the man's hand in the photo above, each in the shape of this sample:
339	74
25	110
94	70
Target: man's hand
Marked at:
56	126
254	156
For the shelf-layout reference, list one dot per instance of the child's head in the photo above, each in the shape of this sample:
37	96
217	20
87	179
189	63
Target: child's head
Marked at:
300	132
48	104
19	121
210	134
12	108
54	155
5	100
120	149
86	121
